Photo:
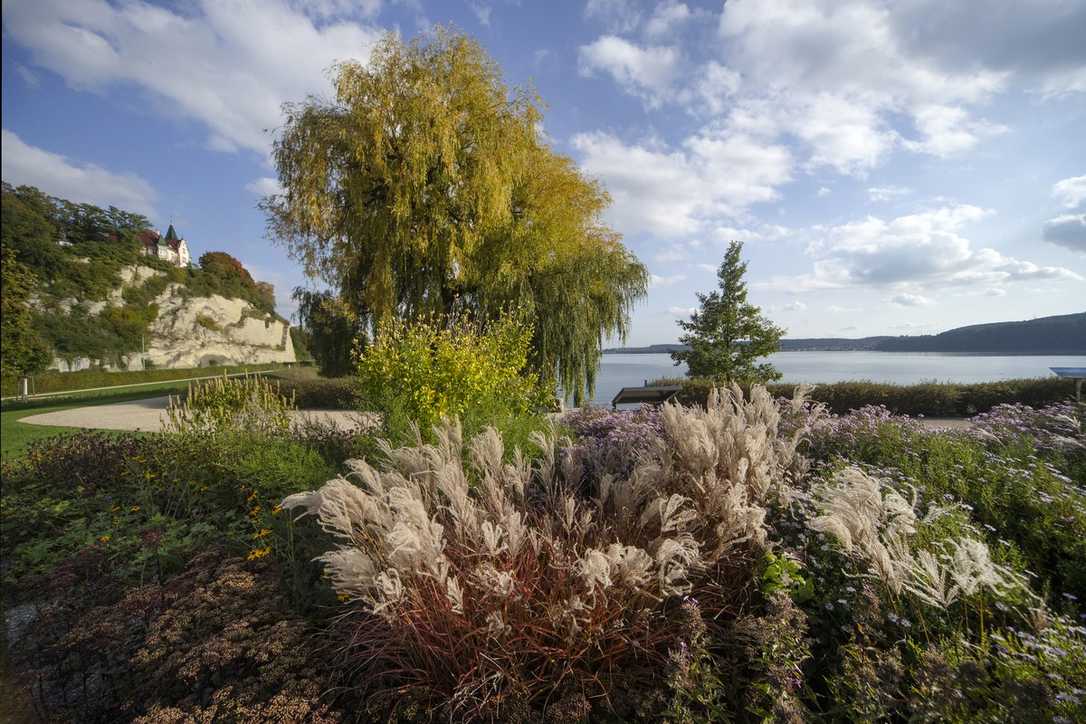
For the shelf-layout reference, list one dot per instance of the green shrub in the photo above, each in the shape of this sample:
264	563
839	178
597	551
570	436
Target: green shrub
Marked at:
421	373
208	323
936	399
321	393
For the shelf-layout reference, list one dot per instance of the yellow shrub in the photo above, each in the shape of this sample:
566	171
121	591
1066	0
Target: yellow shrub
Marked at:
430	370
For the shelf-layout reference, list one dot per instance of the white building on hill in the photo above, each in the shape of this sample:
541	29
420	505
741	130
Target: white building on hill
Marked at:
171	248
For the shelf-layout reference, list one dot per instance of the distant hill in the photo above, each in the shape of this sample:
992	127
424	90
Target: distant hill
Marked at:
1062	334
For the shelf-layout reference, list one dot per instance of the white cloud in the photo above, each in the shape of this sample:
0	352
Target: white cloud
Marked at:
482	12
681	311
838	74
947	130
667	18
995	292
655	280
678	191
923	250
905	299
823	191
1067	230
1070	192
671	254
264	186
759	232
645	72
887	193
28	76
618	16
23	164
229	65
795	306
837	309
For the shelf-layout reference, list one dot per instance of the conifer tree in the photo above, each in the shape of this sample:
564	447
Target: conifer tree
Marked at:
728	334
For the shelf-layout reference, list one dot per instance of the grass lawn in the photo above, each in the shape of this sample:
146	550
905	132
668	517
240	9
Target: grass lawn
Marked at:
16	435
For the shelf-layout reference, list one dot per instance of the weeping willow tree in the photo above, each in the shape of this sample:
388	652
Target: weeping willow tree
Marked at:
424	188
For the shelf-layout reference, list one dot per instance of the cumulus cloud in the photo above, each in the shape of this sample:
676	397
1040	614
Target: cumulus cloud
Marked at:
1070	192
845	59
481	11
853	80
655	280
795	306
905	299
647	72
264	186
925	249
228	65
28	76
714	174
887	193
1067	230
57	175
618	16
668	17
671	254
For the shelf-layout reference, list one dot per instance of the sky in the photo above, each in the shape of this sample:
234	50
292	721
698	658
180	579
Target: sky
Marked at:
892	167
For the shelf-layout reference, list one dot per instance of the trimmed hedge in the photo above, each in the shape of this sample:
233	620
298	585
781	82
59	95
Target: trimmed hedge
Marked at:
86	379
936	399
320	393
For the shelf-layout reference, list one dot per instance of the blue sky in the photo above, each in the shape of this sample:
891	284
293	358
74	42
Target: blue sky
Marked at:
892	167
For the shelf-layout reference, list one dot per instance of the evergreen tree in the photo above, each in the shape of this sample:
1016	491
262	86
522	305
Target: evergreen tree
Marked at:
728	334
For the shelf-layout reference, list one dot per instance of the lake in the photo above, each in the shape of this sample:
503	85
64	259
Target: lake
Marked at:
631	370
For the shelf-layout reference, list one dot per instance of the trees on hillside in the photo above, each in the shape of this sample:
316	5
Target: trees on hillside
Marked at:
425	187
727	335
22	350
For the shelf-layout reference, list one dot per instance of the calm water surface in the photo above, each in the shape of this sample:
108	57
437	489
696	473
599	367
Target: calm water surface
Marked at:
630	370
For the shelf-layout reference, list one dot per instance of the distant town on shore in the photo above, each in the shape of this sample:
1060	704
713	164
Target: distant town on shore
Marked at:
1061	334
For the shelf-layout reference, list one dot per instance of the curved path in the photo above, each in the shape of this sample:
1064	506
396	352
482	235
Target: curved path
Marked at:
149	415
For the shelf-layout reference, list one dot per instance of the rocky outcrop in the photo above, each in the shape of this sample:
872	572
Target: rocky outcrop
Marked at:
195	331
199	331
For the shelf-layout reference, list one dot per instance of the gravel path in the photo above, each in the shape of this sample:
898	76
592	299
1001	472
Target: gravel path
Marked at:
149	415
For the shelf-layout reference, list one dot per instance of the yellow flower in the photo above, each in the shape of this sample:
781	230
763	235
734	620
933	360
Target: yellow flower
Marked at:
105	538
135	509
262	533
258	553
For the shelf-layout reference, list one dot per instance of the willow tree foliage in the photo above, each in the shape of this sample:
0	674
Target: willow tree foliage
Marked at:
727	335
424	187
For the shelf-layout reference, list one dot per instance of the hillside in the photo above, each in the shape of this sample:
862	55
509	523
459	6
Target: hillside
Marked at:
1062	334
91	287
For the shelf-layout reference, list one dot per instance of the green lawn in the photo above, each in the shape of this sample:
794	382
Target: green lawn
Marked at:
15	435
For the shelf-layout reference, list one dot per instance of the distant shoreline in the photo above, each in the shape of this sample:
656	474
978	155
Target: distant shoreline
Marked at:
1063	334
977	353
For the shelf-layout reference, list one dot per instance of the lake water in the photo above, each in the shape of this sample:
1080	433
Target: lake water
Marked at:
631	370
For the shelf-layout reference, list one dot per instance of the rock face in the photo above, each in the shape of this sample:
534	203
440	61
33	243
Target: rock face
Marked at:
195	331
201	331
